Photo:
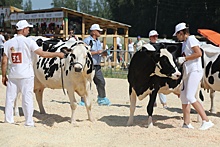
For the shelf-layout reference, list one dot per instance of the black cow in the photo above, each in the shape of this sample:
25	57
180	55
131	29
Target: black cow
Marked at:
152	71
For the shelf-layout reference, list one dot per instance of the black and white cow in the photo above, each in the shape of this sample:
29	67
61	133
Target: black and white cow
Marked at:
73	73
211	75
153	70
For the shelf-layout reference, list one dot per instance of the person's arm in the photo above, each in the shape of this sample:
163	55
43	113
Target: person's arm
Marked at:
197	53
4	69
44	54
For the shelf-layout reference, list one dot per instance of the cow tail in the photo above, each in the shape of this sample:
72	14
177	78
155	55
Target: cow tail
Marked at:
62	77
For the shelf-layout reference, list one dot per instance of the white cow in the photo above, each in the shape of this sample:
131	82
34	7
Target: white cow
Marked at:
211	66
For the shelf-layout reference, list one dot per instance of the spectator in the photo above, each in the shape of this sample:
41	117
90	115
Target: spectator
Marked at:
192	75
96	51
130	48
153	36
119	48
18	52
72	36
138	43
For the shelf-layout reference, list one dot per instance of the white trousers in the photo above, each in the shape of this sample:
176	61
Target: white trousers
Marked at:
25	86
190	87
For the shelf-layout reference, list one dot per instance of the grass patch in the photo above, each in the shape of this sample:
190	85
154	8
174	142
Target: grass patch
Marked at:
115	73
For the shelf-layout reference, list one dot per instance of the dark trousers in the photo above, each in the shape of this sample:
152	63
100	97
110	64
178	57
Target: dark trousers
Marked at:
99	81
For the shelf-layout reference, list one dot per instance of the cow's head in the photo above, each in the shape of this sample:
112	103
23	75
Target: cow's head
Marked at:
79	58
165	65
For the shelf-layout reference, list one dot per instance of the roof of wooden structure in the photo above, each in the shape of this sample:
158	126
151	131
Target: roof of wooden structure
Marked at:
14	9
89	19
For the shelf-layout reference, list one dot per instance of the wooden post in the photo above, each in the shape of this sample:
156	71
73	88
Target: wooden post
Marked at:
66	24
104	44
126	45
115	46
83	28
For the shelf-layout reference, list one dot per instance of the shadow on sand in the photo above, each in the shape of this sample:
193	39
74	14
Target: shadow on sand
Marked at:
139	120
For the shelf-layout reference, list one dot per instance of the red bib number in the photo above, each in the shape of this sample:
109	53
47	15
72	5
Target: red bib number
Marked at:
16	57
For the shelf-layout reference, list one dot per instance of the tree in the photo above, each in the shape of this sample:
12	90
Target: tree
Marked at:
15	3
28	5
71	4
101	9
85	6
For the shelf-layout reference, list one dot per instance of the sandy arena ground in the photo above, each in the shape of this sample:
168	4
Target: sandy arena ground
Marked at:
109	130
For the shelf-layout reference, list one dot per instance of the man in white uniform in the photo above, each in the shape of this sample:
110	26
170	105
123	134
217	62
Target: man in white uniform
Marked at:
18	52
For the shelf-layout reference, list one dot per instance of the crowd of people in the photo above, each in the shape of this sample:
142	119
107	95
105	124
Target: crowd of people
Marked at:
18	50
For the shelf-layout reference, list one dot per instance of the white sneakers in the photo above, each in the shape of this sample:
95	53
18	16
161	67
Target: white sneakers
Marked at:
206	125
189	126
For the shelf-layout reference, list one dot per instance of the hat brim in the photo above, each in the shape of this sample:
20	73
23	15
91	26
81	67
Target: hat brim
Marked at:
97	30
174	34
27	26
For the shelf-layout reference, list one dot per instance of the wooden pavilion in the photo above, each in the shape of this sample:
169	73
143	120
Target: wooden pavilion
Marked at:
59	21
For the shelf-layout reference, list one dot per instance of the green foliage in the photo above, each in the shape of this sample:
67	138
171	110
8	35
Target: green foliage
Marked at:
98	8
71	4
114	73
141	15
15	3
28	5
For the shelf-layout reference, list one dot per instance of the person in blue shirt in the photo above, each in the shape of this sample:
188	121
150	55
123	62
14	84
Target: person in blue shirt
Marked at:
96	51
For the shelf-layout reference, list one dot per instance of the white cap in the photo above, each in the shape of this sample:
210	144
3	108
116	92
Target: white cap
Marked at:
153	33
22	24
179	27
95	27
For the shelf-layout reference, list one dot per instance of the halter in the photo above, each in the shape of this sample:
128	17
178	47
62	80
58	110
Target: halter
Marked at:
71	63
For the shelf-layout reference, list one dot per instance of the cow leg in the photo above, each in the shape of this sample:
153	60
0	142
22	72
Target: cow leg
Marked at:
150	107
132	108
212	95
88	108
73	106
88	102
39	97
16	109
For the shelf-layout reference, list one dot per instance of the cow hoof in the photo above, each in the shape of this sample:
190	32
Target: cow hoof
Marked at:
129	123
75	124
212	111
150	125
43	112
92	120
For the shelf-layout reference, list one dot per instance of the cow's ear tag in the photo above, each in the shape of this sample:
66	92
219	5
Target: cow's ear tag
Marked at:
149	47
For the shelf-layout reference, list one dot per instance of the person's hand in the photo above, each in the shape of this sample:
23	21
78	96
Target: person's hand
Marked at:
99	52
4	80
181	60
104	53
61	55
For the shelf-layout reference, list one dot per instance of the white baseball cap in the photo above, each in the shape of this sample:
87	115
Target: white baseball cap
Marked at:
95	27
179	27
153	33
23	24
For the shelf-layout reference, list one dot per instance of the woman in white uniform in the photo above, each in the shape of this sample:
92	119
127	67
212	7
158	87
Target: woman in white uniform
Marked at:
192	76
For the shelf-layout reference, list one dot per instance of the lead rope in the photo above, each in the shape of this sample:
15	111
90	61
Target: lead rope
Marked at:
62	77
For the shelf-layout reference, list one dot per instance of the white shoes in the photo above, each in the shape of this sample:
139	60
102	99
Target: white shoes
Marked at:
189	126
206	125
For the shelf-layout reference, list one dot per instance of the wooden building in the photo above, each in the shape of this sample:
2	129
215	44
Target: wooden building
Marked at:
58	21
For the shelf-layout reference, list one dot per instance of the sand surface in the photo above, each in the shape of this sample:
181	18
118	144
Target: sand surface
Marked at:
109	129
